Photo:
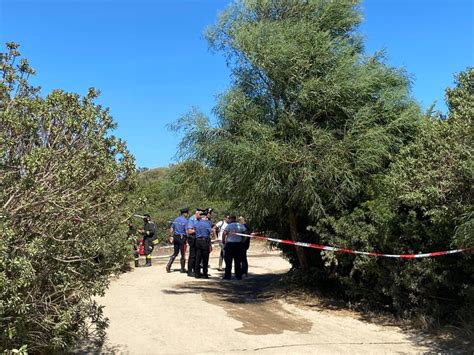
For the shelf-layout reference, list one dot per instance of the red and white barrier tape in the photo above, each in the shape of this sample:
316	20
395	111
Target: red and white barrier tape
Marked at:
349	251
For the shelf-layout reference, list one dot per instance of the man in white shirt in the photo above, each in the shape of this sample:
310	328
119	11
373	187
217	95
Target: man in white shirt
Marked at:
218	230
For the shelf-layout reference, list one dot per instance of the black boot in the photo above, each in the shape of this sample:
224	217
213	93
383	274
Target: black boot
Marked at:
136	263
170	262
148	262
183	264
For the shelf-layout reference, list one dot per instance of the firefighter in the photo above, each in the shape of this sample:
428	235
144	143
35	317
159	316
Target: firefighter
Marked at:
178	238
150	238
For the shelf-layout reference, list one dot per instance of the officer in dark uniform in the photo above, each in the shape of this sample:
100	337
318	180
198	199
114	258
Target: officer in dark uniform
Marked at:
178	236
191	236
203	228
149	237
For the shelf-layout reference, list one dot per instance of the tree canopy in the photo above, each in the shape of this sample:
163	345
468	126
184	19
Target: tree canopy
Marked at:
309	119
320	142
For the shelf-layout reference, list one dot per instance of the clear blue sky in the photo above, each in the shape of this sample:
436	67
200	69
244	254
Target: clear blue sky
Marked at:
152	64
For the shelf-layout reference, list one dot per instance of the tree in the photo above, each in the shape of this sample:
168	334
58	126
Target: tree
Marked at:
164	191
64	182
309	120
422	203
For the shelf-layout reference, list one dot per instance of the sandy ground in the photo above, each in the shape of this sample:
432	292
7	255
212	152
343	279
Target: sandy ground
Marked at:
153	312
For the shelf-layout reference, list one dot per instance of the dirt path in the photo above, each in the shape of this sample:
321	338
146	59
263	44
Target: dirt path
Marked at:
152	312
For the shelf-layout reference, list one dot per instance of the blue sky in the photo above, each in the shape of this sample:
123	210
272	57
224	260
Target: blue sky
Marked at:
151	63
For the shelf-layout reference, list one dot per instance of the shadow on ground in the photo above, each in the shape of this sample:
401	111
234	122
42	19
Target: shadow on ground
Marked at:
253	301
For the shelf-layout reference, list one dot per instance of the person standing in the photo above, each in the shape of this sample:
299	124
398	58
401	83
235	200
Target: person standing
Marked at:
191	237
233	248
218	231
178	238
203	228
149	237
245	247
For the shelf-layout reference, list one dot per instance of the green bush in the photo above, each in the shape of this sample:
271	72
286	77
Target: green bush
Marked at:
64	182
164	191
423	203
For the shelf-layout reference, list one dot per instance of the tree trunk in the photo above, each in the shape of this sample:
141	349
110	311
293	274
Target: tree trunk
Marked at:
300	252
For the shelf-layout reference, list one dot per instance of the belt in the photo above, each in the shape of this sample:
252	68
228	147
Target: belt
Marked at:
180	235
201	237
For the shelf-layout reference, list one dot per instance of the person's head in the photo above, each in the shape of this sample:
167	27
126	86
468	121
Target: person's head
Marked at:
241	220
184	211
198	212
203	215
232	218
146	218
226	217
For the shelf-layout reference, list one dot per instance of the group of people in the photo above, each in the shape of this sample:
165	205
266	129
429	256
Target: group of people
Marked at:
197	232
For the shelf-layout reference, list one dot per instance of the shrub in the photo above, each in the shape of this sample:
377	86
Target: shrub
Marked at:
63	185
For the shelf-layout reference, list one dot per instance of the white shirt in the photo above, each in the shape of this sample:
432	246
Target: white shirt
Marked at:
221	225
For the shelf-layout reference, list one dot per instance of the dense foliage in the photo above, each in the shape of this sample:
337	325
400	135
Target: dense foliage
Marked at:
319	142
164	191
423	203
64	182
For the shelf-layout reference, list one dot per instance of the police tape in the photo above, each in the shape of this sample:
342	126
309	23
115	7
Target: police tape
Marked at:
350	251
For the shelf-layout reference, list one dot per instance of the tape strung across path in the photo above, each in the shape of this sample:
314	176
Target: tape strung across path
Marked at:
349	251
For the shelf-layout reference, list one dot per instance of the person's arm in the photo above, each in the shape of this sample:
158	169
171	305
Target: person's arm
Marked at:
215	229
190	227
170	239
225	234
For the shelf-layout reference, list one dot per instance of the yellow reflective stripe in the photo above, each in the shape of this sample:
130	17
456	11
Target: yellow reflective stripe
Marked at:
148	256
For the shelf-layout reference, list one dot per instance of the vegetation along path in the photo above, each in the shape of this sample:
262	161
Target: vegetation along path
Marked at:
151	311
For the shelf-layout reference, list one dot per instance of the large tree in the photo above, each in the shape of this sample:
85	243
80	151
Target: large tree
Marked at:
64	182
309	120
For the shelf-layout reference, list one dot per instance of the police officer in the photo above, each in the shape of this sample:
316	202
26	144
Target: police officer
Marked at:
149	237
233	245
191	237
178	233
203	228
